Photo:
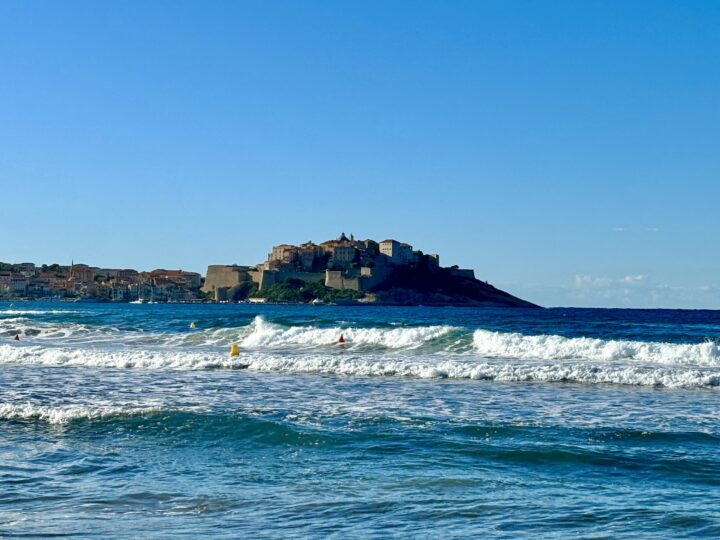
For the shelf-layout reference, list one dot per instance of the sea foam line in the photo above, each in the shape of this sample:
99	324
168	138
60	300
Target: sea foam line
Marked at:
503	371
551	347
115	358
338	363
67	413
4	312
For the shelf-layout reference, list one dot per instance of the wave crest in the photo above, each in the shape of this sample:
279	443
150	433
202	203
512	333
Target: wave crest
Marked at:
426	366
551	347
267	334
68	413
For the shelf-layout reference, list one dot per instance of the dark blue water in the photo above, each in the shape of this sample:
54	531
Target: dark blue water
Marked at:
121	421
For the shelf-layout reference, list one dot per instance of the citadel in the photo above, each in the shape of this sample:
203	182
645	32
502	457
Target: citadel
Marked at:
343	263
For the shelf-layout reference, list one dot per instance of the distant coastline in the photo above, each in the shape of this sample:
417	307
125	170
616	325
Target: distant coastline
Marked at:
343	271
83	283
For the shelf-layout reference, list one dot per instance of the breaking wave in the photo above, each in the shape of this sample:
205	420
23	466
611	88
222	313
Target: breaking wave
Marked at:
258	334
377	365
430	351
116	358
549	347
503	371
68	413
261	334
266	334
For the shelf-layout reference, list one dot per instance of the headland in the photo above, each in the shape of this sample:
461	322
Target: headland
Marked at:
346	270
339	271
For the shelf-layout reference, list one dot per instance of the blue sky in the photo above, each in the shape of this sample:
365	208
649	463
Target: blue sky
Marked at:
567	151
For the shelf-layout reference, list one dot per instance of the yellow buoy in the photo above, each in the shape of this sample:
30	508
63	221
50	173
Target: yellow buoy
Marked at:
192	325
234	350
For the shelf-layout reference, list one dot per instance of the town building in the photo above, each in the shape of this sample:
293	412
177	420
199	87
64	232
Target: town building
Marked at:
397	252
27	281
26	269
341	263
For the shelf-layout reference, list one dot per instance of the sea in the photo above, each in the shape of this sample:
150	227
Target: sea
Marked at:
124	421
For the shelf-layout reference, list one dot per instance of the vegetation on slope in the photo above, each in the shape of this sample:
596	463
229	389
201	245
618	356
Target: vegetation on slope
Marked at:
294	291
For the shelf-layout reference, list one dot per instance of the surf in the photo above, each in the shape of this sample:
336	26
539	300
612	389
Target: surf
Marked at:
554	347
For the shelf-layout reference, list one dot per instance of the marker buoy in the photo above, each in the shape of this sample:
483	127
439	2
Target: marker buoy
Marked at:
192	325
341	341
234	350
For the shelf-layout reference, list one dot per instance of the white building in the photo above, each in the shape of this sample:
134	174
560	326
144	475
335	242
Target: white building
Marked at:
398	253
390	248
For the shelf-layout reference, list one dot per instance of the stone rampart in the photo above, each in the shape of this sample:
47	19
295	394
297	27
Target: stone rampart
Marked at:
224	276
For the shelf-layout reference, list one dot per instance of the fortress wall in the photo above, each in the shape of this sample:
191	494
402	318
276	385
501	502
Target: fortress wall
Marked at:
224	276
462	272
335	279
263	278
372	277
256	276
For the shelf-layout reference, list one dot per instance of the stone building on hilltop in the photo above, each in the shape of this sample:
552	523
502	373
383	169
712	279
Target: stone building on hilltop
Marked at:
341	263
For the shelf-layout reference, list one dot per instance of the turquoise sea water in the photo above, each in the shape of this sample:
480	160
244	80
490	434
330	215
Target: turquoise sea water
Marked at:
121	421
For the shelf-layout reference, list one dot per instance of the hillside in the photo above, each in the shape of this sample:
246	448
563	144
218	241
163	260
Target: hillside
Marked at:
412	286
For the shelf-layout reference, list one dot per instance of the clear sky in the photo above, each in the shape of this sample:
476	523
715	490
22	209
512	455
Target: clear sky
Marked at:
567	151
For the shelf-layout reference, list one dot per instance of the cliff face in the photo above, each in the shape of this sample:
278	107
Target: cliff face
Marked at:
412	286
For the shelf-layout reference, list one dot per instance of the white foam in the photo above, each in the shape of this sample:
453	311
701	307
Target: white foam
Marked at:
37	311
549	347
55	331
266	334
13	320
115	358
498	371
67	413
376	365
258	334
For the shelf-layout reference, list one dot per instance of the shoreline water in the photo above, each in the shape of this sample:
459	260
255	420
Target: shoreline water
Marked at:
428	422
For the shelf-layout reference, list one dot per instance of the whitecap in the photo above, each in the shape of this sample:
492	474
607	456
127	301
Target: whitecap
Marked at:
551	347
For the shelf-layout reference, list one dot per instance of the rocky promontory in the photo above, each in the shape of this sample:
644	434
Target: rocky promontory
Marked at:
413	286
346	270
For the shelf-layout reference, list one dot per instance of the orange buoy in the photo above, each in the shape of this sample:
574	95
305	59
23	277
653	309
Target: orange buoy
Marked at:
341	340
234	350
